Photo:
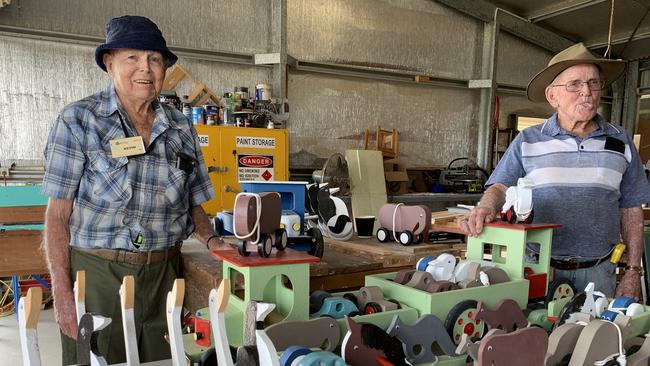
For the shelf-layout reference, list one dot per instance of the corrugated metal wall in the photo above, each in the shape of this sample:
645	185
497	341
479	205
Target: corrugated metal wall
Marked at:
328	113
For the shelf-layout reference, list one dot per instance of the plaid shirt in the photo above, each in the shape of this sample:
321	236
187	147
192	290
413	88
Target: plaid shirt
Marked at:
139	202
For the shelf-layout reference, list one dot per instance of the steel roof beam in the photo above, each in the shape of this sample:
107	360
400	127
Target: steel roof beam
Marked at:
512	23
561	8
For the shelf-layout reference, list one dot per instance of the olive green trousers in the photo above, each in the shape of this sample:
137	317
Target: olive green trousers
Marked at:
103	281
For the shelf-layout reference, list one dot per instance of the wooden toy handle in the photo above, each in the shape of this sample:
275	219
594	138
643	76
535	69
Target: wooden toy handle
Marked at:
223	294
33	301
178	292
128	292
80	287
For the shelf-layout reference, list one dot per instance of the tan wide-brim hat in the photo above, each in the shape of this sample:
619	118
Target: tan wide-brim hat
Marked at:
577	54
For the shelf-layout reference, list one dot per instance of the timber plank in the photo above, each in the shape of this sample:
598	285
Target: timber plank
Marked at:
22	215
20	253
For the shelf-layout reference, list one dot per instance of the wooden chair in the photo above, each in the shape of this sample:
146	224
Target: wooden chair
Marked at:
386	141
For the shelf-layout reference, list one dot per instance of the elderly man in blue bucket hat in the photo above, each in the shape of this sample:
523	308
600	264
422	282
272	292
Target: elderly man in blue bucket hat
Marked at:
126	179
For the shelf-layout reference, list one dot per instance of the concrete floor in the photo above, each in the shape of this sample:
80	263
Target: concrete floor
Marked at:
48	340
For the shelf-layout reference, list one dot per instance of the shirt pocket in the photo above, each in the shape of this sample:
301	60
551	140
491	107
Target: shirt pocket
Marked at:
176	191
111	183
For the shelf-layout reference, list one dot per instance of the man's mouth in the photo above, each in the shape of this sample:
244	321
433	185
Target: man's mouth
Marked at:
145	82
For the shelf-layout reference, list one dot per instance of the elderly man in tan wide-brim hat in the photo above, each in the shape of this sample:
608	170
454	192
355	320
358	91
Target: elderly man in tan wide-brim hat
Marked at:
587	176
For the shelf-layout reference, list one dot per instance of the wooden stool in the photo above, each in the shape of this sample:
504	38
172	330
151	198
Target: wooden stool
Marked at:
386	141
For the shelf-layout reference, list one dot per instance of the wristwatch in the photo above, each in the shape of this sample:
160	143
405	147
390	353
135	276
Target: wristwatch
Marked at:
637	269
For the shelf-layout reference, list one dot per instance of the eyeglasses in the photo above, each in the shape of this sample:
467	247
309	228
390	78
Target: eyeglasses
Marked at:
576	85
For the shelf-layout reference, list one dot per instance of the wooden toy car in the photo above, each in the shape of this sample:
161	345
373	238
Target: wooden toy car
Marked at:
406	224
257	223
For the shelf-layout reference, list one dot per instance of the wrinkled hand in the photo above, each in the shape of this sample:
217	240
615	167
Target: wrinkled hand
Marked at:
630	285
472	224
65	312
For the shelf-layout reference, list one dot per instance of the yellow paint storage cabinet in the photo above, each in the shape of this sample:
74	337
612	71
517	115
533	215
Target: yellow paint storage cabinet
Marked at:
235	154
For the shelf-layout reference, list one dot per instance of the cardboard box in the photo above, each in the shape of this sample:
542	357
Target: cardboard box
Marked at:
396	177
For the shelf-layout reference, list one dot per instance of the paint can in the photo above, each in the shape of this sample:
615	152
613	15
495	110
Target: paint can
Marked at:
241	92
197	115
263	92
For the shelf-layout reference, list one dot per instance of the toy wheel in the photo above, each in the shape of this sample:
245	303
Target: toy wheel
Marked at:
281	239
241	248
351	297
459	320
571	307
418	239
316	300
317	246
372	308
383	235
405	237
265	246
560	288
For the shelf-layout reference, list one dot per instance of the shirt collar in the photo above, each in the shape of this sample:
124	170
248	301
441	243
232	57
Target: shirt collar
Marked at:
109	104
552	128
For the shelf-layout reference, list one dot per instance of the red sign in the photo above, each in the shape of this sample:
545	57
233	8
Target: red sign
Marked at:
255	161
267	175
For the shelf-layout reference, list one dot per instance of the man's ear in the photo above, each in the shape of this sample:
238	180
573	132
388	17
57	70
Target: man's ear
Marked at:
550	96
108	62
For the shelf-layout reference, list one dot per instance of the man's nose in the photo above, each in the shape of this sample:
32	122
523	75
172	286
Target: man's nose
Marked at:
584	88
143	64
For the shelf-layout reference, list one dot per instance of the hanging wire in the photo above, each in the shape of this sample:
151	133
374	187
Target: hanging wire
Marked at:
608	51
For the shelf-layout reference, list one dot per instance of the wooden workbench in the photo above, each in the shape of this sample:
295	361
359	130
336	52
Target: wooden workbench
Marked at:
343	267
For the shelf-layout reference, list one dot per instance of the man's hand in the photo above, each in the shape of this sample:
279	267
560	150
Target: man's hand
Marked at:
472	224
65	312
630	285
486	211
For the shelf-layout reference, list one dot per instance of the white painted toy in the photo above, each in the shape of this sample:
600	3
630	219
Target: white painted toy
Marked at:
29	308
518	206
174	312
127	299
218	300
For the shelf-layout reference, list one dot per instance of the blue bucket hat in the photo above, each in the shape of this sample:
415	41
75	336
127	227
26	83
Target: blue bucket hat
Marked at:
134	32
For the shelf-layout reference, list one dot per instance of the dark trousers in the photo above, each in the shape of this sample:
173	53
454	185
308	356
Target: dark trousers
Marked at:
103	281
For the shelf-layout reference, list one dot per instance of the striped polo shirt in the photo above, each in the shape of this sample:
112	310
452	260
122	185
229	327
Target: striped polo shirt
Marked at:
139	202
579	183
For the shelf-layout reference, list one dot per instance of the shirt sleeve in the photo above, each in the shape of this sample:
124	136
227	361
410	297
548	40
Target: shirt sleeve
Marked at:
635	189
64	162
510	168
200	186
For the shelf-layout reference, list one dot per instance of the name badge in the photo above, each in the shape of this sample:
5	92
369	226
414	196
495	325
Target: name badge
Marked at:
128	146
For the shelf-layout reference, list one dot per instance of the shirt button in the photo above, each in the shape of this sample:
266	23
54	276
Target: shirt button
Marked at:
582	147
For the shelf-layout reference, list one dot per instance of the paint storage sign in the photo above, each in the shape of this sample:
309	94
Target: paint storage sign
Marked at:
256	142
254	167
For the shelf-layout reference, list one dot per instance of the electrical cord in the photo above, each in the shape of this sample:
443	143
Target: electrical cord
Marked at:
394	216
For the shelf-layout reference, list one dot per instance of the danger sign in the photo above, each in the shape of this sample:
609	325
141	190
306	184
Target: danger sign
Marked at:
255	167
